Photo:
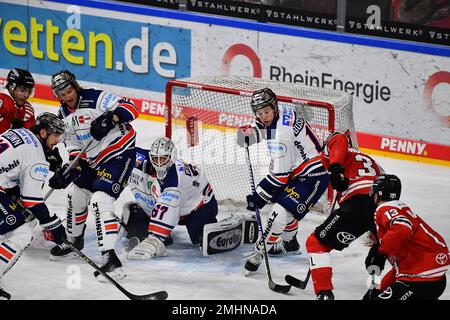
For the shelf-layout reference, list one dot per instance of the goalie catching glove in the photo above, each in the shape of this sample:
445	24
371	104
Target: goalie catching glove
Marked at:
147	249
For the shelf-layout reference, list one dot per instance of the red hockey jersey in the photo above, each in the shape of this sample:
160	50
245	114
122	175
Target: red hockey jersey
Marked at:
359	168
7	112
419	253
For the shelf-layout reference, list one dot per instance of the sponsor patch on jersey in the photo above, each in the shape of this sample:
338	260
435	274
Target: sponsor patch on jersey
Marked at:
276	149
142	197
170	197
13	138
288	120
139	159
108	101
39	171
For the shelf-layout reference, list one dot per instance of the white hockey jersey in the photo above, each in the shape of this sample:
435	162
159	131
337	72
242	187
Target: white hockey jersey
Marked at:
142	184
183	190
92	104
293	149
23	163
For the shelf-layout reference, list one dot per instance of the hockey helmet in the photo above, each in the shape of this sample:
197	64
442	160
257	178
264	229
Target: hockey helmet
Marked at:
387	186
263	98
63	79
19	77
347	134
163	155
49	122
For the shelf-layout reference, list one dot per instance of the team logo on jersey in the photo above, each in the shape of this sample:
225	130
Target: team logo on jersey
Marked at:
10	219
115	188
301	208
441	258
39	171
276	149
84	119
386	294
345	237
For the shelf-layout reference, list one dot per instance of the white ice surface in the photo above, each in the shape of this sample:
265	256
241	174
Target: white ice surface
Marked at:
186	274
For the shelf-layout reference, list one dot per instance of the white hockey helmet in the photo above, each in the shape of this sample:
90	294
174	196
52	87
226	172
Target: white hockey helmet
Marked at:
163	155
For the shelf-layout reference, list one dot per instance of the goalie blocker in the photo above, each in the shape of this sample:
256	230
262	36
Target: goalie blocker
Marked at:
228	234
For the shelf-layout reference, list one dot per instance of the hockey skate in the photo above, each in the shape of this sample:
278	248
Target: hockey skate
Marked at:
253	262
285	247
4	295
111	266
64	252
325	295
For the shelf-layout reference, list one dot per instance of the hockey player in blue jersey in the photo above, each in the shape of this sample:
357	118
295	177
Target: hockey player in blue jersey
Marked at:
296	178
102	121
24	166
185	197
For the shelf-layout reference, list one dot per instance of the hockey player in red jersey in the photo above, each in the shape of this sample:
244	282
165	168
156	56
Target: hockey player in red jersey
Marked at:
419	255
20	86
351	175
7	112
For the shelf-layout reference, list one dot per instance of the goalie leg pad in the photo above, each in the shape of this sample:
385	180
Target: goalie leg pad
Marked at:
222	236
147	249
199	218
249	227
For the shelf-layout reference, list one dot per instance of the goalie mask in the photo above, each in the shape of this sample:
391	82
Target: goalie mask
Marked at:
387	186
263	98
163	155
62	80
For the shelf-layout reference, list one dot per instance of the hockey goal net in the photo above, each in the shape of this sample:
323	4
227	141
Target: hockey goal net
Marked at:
203	114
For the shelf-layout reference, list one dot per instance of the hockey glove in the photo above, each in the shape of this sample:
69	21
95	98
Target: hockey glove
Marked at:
147	249
61	181
55	160
247	135
101	126
54	230
375	261
338	181
251	206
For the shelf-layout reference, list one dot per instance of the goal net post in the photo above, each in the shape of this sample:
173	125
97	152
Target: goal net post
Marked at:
203	114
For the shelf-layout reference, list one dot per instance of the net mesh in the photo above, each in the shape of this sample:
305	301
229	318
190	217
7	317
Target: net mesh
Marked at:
206	111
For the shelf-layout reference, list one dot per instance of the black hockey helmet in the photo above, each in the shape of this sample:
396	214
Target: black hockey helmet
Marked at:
387	186
20	77
263	98
62	80
49	122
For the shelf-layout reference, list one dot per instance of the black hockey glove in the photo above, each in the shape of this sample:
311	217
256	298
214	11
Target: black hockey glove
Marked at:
101	126
375	261
338	181
61	181
55	160
54	230
251	206
254	201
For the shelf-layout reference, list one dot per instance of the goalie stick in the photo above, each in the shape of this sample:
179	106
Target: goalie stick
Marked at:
272	285
159	295
301	284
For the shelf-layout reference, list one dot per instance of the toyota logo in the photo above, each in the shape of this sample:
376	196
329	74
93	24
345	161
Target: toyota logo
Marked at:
441	258
345	237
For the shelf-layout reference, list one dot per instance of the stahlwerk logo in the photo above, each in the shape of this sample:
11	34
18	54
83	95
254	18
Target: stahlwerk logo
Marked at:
392	30
297	17
233	8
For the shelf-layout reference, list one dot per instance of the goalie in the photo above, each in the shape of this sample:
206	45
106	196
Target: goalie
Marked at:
172	192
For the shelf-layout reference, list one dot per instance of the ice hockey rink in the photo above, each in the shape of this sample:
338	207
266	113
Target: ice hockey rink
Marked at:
187	275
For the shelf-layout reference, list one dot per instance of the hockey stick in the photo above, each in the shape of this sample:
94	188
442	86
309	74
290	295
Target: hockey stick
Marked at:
71	166
159	295
272	285
301	284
